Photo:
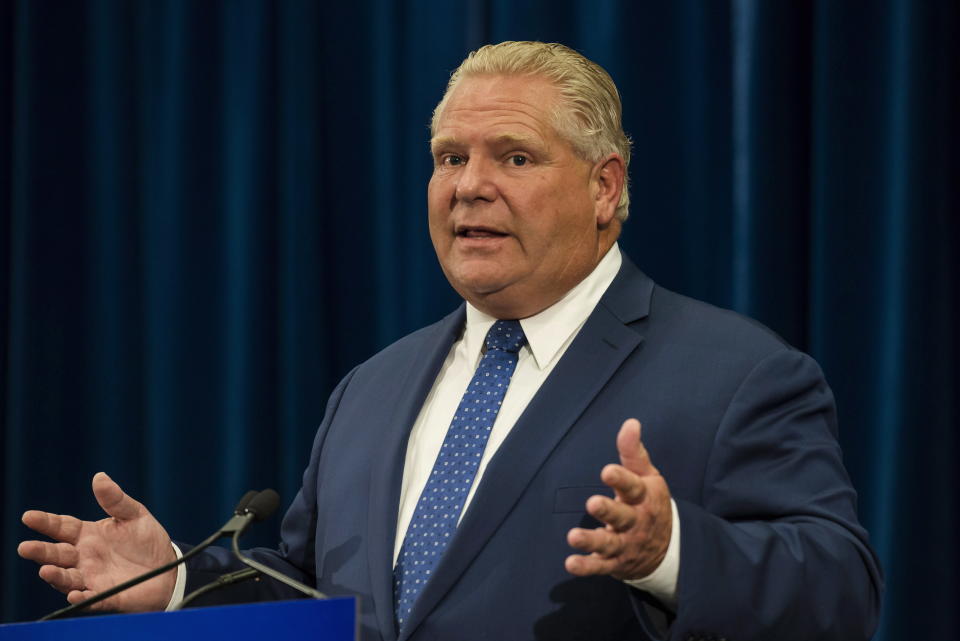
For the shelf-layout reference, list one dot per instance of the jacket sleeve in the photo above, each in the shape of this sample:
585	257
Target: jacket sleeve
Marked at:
774	549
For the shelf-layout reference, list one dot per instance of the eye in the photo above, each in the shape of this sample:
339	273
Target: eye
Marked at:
518	160
452	160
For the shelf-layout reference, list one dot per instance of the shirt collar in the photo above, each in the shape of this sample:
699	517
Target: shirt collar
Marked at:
548	331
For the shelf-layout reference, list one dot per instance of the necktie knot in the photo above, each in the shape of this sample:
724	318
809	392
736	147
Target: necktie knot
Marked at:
506	336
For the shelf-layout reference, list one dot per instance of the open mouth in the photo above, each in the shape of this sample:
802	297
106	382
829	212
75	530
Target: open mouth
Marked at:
478	232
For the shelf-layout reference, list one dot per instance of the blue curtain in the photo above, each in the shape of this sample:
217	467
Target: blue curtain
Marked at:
210	211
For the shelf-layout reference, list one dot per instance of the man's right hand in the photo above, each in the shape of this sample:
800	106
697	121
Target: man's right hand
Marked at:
93	556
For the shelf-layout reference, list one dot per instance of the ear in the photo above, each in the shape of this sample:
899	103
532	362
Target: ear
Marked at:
607	185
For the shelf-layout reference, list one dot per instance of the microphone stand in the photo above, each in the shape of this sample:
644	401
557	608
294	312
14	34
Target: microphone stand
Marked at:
221	582
274	574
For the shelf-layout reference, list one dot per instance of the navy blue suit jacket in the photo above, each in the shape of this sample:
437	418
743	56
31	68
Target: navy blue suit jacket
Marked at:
741	426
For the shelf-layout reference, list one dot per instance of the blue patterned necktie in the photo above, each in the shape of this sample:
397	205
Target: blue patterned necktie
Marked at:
438	509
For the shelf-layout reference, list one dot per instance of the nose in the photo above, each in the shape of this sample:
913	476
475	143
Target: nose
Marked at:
475	181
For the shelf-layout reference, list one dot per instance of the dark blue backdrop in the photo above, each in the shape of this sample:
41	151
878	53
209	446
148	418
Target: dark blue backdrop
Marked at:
210	211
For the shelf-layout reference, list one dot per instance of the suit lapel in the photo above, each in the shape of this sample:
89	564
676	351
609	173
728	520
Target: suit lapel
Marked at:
387	477
594	356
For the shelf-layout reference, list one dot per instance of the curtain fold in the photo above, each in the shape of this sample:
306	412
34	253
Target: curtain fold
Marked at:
209	212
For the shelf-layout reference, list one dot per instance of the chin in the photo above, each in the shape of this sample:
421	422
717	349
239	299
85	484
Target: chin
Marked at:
477	280
477	291
502	302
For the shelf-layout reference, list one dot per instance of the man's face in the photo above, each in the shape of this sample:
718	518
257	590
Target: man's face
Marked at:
516	217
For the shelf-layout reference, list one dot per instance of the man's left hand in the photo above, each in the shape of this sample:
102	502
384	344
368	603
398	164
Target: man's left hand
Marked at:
638	520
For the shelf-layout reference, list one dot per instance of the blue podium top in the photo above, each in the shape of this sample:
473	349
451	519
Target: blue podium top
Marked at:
301	620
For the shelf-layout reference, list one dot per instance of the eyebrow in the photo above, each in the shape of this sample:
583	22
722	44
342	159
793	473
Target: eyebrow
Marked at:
501	139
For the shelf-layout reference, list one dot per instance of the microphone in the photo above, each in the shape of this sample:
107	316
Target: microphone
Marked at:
241	519
262	506
244	501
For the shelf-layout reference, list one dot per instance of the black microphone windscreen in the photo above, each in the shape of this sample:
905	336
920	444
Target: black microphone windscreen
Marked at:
264	504
244	502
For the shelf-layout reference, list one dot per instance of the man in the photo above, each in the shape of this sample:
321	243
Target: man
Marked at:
451	512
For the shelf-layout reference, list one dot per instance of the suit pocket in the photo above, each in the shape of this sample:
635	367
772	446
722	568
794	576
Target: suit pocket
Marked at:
574	499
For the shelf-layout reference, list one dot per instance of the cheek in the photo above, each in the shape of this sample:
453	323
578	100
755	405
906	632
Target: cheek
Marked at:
440	189
438	204
440	239
436	212
564	237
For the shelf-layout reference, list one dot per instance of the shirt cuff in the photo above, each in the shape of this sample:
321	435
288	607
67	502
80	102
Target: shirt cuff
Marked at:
181	585
662	582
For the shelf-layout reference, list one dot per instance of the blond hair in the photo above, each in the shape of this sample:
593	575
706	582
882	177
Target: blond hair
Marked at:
589	115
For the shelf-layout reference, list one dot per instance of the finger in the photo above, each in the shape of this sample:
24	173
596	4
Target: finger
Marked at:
113	500
619	516
629	486
586	565
63	555
633	455
78	596
598	541
63	579
56	526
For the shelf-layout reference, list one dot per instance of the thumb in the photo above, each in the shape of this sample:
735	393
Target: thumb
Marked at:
633	455
113	500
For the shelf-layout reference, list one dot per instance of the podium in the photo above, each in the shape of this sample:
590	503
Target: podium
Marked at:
301	620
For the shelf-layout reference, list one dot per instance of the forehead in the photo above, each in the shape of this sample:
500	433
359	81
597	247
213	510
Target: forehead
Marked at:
499	106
